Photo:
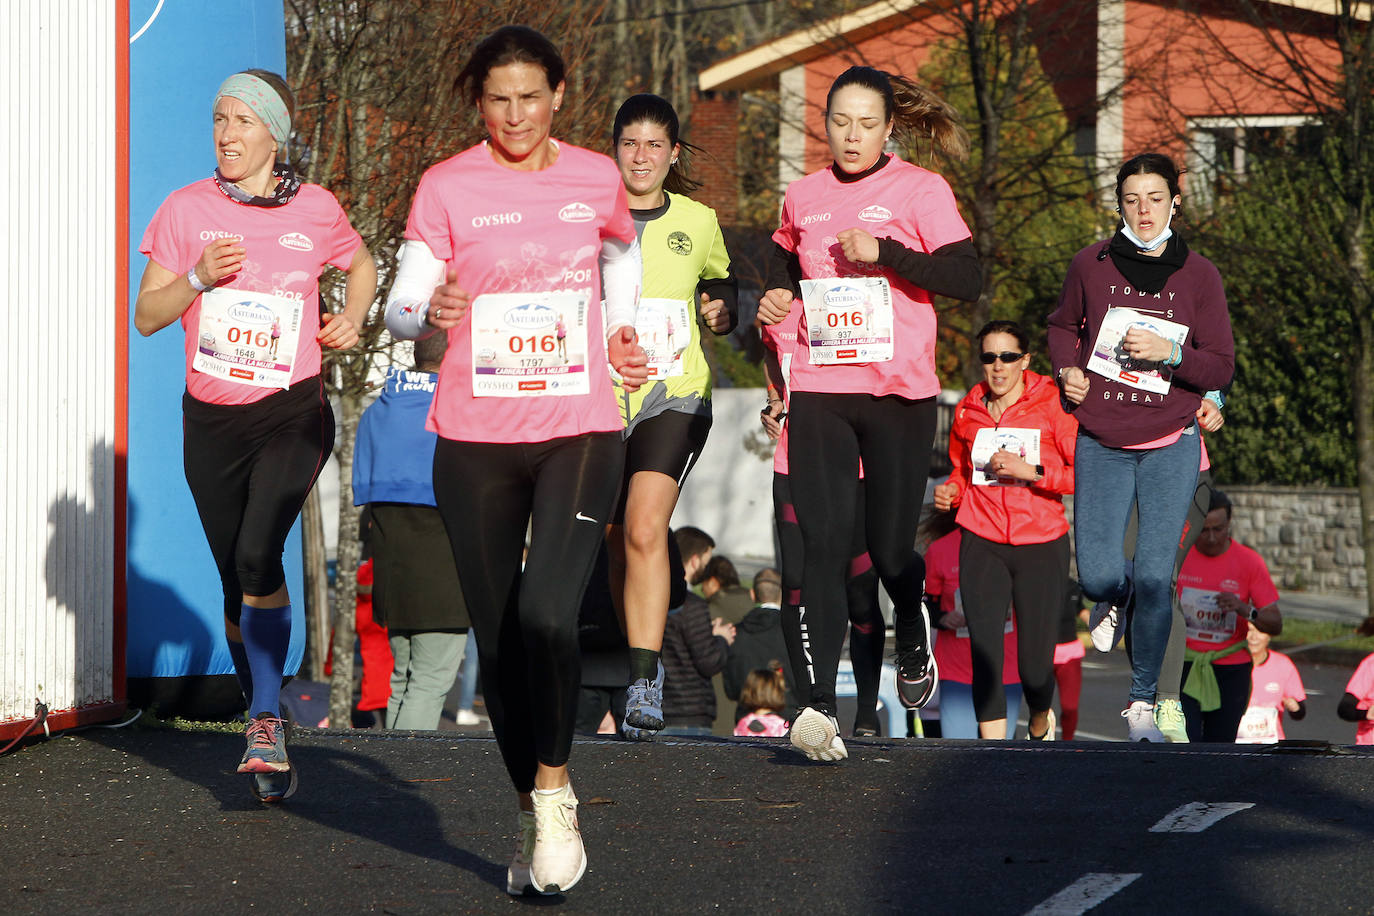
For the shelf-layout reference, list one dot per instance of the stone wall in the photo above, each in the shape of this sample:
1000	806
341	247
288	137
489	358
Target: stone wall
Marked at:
1309	536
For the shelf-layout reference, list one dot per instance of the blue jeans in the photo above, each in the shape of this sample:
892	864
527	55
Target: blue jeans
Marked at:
957	719
468	694
1160	483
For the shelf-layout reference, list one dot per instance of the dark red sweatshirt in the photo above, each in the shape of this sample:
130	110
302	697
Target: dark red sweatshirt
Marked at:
1118	415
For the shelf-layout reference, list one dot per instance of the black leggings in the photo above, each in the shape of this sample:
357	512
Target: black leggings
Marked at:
1032	577
250	467
1234	682
526	622
867	630
829	434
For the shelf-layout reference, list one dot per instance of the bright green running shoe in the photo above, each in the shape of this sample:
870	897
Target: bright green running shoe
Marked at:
1169	720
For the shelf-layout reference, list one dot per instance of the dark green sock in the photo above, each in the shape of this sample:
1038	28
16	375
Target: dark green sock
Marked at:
643	664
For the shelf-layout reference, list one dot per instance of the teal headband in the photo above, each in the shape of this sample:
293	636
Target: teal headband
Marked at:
259	95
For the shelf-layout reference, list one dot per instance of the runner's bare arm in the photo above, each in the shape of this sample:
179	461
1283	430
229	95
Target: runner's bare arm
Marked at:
342	331
164	295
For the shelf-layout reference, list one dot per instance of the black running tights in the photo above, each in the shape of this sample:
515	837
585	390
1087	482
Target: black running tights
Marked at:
525	621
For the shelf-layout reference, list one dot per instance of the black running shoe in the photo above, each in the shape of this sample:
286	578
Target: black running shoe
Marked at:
917	673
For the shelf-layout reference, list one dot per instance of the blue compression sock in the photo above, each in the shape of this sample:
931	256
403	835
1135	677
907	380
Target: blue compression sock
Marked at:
241	670
266	638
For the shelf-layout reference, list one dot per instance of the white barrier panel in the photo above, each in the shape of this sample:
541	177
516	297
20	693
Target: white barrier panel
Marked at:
59	234
729	493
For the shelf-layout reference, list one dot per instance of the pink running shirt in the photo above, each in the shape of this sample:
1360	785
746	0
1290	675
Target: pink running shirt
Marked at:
1361	686
904	202
1241	572
508	231
287	248
1272	682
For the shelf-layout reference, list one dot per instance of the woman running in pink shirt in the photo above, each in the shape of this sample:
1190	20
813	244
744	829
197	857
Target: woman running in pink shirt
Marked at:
869	229
257	427
505	240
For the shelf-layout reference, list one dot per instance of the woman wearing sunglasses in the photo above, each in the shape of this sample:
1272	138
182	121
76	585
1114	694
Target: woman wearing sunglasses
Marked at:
1011	447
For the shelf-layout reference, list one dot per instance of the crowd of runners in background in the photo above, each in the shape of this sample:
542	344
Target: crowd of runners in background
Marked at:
521	479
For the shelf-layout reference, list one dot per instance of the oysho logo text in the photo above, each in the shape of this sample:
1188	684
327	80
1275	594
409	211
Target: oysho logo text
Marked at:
815	218
497	219
209	235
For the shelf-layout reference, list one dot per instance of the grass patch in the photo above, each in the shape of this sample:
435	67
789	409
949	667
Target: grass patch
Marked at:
151	720
1304	632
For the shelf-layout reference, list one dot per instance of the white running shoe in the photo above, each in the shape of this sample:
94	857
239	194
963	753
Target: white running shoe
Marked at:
817	736
558	861
1140	723
518	874
1104	624
467	718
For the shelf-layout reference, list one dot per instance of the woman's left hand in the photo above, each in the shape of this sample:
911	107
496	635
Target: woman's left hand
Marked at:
714	313
1147	345
628	358
1209	416
338	332
1008	464
858	246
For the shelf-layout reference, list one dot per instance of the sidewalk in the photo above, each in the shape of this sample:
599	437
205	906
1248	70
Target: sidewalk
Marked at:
1316	606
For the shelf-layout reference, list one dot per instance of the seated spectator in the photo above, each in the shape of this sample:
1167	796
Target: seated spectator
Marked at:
1274	687
694	649
763	695
1223	587
1357	705
758	641
720	585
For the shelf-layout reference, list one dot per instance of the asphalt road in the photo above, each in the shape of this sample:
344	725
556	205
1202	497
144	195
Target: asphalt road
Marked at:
142	821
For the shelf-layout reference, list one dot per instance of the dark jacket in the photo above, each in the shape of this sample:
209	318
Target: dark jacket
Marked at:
758	641
691	655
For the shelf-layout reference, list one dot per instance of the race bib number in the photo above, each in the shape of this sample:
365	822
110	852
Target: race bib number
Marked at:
529	344
1109	358
664	329
248	337
848	320
1260	725
1024	443
1206	621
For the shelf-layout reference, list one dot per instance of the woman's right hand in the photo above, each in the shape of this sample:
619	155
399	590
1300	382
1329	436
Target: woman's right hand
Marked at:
221	258
953	620
944	496
1075	384
774	305
449	302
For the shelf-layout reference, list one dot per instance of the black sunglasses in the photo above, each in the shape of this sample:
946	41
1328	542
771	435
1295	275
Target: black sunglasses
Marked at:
1005	356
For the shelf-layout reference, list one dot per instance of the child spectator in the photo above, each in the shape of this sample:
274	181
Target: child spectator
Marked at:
1358	703
764	693
1274	687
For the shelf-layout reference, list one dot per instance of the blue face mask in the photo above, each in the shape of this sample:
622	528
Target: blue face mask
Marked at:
1154	243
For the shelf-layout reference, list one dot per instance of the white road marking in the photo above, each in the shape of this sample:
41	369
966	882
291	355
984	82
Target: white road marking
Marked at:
1197	816
1084	894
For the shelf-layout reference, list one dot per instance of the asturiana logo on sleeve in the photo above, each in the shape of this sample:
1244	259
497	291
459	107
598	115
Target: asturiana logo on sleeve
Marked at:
577	212
875	214
296	241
